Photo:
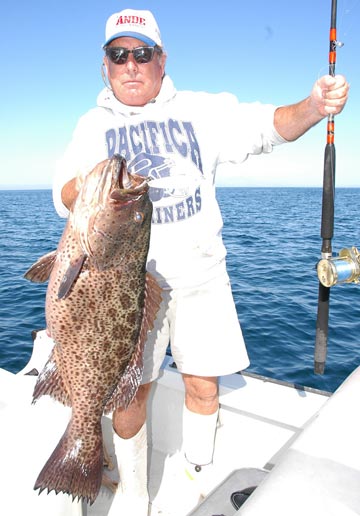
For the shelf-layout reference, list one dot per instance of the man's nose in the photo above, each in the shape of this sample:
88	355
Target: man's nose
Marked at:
131	64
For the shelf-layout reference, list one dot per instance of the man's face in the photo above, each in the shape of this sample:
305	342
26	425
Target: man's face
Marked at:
135	84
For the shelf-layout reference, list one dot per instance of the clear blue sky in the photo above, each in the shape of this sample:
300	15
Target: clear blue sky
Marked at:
260	50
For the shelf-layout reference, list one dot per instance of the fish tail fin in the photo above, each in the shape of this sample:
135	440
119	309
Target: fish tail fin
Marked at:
74	467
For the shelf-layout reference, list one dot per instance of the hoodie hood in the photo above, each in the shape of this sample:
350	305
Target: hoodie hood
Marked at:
107	99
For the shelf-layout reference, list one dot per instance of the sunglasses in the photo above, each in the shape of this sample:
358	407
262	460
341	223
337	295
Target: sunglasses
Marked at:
142	55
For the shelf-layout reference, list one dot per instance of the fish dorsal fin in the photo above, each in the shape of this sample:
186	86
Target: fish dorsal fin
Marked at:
130	380
153	298
70	276
40	271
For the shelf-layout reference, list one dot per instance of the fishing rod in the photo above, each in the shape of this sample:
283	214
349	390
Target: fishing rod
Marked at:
327	218
345	267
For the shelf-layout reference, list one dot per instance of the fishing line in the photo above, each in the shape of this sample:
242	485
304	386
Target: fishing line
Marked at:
345	29
345	18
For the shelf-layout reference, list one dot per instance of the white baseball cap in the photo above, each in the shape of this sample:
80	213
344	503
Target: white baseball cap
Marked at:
136	24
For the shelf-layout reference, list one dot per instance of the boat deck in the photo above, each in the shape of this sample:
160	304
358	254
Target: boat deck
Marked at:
259	419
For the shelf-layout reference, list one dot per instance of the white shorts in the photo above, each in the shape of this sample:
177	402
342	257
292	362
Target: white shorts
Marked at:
202	327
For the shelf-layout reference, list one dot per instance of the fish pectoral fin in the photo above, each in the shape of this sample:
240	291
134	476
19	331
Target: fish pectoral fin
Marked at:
70	276
40	271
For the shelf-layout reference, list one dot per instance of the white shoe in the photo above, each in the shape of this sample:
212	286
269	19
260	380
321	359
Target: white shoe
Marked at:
181	482
176	494
125	505
201	477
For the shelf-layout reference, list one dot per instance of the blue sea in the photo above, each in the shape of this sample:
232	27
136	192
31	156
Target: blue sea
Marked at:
273	240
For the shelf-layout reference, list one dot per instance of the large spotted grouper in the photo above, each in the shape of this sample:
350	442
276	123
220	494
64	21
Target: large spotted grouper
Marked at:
100	305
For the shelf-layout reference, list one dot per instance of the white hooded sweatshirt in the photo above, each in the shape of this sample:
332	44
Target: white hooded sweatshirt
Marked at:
183	138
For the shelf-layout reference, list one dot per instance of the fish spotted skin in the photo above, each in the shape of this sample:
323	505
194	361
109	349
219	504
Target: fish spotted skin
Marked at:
100	305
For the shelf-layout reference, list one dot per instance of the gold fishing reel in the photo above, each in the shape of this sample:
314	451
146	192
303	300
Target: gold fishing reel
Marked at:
344	268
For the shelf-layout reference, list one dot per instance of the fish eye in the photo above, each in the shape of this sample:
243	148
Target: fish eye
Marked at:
138	217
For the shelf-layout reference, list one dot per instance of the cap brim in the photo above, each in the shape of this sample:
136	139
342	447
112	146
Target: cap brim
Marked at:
136	35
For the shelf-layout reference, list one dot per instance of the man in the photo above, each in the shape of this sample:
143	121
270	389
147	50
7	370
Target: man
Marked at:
181	140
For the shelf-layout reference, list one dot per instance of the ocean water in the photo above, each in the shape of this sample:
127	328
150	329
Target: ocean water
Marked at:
273	240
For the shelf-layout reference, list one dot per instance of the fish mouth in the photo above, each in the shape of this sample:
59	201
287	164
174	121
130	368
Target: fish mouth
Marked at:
126	187
108	187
